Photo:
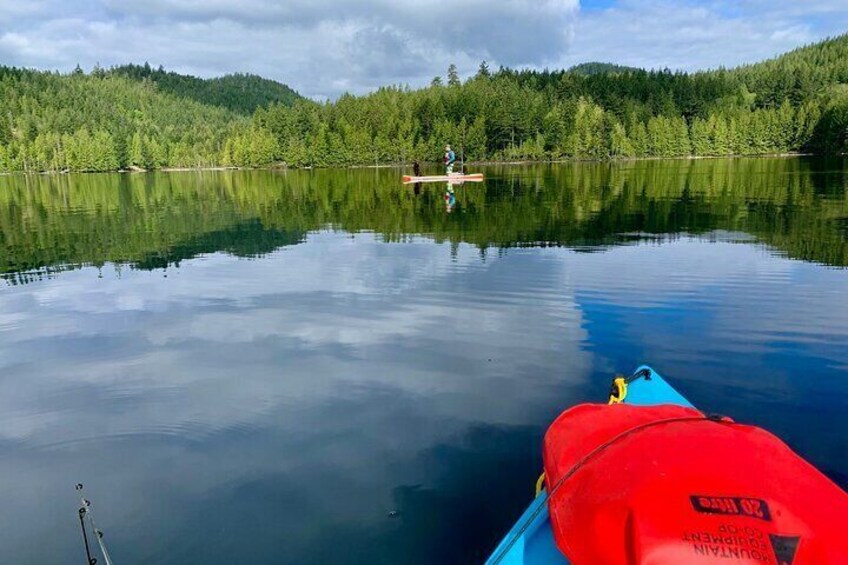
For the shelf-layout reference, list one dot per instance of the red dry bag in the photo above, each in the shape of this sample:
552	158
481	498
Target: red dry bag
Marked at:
664	485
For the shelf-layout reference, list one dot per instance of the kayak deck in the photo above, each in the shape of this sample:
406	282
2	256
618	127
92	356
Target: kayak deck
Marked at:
451	178
531	539
648	388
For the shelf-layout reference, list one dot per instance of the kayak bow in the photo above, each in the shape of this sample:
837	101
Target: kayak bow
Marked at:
531	539
654	480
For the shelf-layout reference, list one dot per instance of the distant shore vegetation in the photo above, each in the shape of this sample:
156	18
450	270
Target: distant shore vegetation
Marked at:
134	117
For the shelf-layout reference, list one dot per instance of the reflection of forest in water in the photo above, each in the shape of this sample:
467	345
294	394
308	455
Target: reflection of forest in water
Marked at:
49	223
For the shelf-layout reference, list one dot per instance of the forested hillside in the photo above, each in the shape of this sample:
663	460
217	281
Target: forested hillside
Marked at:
596	68
797	102
242	93
137	117
103	122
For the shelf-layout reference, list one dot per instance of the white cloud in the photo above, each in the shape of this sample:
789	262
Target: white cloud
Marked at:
694	35
324	47
317	47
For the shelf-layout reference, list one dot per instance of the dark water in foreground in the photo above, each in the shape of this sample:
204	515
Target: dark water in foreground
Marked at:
261	367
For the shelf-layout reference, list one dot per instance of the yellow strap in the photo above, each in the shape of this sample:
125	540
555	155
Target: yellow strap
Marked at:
619	390
540	484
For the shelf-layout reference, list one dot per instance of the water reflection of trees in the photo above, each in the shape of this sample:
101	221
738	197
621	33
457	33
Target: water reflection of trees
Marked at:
51	223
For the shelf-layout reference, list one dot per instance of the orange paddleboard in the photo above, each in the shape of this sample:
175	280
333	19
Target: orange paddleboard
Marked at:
455	177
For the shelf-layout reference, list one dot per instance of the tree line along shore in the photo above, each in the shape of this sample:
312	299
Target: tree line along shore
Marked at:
134	117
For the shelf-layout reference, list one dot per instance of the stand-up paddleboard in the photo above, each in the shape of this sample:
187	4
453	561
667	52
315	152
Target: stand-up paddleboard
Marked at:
452	178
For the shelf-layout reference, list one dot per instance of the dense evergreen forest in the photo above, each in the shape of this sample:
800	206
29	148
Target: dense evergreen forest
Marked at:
101	122
107	120
242	93
596	68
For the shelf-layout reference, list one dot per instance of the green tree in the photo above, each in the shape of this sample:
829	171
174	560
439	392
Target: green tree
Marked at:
137	156
620	145
453	76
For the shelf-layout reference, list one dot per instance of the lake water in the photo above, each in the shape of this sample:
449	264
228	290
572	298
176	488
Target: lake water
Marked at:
331	367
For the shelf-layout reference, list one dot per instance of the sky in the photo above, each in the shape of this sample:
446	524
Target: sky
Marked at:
324	48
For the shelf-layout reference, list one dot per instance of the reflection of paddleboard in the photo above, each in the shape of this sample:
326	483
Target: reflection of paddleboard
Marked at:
454	177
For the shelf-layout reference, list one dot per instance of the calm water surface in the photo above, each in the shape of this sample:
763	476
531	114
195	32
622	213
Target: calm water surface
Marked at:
328	367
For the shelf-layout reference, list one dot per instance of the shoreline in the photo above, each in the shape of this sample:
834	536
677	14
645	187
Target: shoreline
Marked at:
484	163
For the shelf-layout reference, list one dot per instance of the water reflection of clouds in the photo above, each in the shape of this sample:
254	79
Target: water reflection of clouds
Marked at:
743	291
339	362
332	360
324	305
742	331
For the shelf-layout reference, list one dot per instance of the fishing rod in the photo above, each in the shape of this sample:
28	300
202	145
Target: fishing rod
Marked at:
85	512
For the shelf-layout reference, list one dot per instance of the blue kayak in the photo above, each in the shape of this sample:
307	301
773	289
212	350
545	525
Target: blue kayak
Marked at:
531	540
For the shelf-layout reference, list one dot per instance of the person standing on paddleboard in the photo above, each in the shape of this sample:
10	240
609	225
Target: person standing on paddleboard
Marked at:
450	159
